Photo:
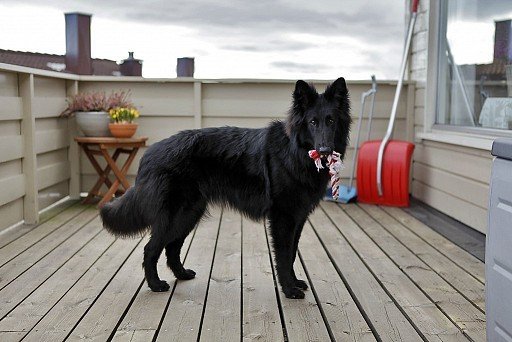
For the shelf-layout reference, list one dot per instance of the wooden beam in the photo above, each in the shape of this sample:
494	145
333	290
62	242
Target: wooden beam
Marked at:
410	113
51	140
12	188
30	201
48	107
74	150
11	148
11	108
52	174
198	104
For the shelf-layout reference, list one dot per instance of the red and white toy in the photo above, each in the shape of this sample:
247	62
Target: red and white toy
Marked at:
335	166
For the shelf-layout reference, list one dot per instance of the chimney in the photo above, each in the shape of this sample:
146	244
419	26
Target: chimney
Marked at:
185	67
78	43
131	66
503	41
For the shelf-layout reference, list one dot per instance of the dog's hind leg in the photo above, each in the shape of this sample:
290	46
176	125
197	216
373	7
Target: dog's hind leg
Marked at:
152	252
162	233
172	251
184	221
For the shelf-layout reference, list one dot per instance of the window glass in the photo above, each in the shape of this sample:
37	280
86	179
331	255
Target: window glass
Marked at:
475	64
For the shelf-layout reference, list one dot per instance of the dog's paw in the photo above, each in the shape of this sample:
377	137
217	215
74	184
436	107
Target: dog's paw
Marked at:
301	284
186	275
159	286
293	293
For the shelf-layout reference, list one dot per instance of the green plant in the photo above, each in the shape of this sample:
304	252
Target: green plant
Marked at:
123	114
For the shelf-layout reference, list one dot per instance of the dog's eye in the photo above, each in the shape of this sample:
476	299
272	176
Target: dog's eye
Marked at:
313	122
330	121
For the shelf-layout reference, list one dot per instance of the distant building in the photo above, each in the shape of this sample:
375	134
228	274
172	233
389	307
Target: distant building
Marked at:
77	59
52	62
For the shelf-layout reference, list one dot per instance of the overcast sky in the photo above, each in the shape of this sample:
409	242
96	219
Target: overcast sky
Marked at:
471	28
290	39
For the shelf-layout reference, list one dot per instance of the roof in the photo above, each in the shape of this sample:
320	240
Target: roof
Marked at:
46	61
497	68
493	71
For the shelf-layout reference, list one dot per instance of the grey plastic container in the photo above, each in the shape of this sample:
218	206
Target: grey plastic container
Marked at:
498	249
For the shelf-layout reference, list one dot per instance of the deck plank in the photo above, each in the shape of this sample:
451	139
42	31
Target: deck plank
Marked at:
134	335
222	321
302	317
11	336
57	209
144	315
375	273
460	310
20	245
260	311
462	258
456	276
113	301
427	317
22	286
25	260
182	319
9	235
344	318
387	320
34	307
62	318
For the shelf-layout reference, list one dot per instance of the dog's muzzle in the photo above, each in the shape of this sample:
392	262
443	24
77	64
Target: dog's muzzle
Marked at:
324	151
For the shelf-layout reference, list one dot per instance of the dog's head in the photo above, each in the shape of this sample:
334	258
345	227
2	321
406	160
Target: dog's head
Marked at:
320	121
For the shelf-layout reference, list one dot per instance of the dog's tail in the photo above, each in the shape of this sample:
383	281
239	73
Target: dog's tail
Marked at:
124	216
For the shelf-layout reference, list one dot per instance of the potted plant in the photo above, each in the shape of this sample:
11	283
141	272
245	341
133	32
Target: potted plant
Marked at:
121	121
91	110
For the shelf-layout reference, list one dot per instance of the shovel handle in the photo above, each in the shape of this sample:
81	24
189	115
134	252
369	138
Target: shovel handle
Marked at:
415	4
389	132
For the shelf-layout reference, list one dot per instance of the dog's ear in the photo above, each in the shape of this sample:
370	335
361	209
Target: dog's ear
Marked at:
304	95
337	90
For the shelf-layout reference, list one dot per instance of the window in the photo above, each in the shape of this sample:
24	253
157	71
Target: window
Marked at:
475	64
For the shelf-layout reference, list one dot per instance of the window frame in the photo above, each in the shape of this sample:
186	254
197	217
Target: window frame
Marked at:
438	13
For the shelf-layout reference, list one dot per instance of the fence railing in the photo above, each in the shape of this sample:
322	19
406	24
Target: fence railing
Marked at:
40	163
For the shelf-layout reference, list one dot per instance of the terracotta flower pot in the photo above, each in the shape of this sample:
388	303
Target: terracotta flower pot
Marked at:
122	130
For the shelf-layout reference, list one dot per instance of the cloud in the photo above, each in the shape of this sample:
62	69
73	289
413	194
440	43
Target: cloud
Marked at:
272	45
482	11
358	19
300	67
278	30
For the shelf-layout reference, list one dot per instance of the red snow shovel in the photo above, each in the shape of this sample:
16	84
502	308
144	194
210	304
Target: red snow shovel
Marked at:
383	166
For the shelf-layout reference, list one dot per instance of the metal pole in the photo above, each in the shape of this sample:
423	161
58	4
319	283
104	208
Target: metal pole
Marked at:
359	123
395	103
370	116
459	78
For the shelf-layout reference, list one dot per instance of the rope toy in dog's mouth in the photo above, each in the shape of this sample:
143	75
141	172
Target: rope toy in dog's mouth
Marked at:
335	166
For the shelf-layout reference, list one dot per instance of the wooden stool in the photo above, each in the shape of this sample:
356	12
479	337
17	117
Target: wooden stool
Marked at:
98	146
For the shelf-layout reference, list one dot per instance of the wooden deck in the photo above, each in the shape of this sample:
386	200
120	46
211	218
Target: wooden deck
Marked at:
375	274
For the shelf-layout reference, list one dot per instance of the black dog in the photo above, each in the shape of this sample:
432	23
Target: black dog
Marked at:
264	173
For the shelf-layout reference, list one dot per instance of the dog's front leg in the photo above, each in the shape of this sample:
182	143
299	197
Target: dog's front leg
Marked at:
282	229
301	284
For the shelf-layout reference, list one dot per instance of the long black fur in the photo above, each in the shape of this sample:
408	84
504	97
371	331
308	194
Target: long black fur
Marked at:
264	173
